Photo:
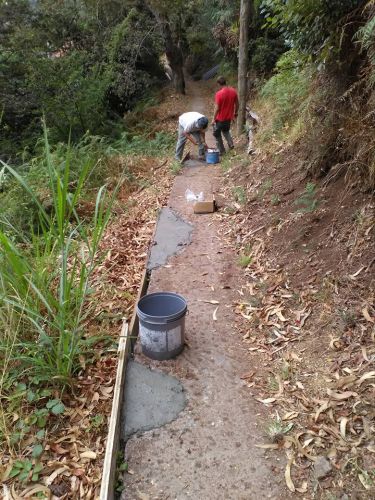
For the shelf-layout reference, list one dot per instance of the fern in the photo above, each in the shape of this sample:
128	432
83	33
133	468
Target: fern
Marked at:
366	38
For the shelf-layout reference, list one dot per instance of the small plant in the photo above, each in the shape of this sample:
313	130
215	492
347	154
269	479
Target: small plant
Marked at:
307	201
226	163
24	470
324	294
275	199
348	319
230	210
264	188
55	406
121	468
144	183
276	429
176	167
244	260
367	478
95	422
239	194
273	384
285	370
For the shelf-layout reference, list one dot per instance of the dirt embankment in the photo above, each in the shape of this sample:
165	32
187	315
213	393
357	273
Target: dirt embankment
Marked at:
306	314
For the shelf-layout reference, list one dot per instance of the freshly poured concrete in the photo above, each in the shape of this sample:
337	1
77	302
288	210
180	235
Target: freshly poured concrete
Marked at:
152	399
172	233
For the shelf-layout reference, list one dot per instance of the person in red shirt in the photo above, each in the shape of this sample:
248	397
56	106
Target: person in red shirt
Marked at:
226	108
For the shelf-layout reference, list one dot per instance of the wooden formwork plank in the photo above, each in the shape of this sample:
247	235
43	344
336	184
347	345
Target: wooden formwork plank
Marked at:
134	322
128	333
109	466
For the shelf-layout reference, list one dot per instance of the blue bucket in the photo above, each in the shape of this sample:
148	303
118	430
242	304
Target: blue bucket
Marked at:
212	156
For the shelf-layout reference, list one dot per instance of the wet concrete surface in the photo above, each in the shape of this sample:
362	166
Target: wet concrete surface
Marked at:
152	399
172	234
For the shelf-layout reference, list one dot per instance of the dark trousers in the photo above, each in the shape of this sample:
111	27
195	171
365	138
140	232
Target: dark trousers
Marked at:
222	128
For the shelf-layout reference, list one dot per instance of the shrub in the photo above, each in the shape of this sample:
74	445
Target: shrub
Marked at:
288	88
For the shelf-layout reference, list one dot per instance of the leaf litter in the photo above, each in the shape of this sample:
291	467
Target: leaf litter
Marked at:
74	444
329	391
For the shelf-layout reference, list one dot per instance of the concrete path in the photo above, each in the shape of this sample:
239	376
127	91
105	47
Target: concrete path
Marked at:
209	451
152	399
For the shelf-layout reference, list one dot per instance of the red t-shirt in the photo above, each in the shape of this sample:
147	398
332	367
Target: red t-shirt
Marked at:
226	99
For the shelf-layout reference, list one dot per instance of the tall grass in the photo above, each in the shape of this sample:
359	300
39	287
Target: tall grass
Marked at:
45	279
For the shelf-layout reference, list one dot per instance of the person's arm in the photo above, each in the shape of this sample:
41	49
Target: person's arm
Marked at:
216	110
187	133
190	138
203	137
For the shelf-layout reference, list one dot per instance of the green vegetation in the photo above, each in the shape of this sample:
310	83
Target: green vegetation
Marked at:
275	199
324	86
276	429
239	194
45	288
307	202
244	260
288	89
264	188
176	167
40	303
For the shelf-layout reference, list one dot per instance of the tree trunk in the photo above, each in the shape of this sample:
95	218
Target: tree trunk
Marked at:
243	58
175	59
172	49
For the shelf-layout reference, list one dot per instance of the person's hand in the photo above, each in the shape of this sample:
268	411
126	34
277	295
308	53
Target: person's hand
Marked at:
205	145
213	123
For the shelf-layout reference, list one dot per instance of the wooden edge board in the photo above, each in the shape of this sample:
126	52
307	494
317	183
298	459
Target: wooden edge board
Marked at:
128	333
134	322
109	466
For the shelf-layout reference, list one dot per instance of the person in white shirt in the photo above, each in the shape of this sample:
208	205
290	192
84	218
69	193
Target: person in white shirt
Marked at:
192	126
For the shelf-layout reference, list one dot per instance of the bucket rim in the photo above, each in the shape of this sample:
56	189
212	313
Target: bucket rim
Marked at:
161	319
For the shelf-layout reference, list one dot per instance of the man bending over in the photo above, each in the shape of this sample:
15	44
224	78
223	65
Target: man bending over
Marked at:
192	126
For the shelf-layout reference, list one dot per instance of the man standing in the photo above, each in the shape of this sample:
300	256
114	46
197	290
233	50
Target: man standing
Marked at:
226	108
192	126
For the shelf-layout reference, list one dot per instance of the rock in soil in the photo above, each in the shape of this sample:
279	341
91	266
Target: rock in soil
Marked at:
322	468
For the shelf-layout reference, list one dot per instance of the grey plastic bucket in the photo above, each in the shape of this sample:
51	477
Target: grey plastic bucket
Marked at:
162	324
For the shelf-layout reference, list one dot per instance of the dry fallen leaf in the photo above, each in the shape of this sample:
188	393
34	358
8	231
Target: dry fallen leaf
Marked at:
343	424
341	396
50	479
322	409
290	415
214	317
271	446
353	276
266	401
88	454
288	477
303	487
367	316
366	376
